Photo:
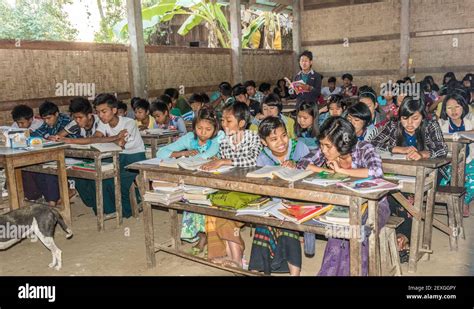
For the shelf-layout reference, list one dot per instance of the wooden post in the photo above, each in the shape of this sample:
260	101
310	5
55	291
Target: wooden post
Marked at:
297	32
236	41
138	72
404	37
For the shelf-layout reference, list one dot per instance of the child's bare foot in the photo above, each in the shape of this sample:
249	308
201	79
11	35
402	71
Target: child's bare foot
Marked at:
202	242
219	260
230	263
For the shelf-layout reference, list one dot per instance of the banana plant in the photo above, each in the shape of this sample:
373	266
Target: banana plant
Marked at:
269	23
199	11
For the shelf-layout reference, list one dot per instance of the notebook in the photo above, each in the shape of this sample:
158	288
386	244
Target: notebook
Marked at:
368	185
301	214
288	174
326	179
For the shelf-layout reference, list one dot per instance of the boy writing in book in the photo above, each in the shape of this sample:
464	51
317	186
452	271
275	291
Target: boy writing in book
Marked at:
203	142
23	118
240	147
84	125
164	120
111	125
273	249
340	152
54	122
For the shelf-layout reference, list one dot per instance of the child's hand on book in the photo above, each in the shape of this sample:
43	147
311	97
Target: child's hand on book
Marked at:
212	165
289	164
334	165
185	153
54	138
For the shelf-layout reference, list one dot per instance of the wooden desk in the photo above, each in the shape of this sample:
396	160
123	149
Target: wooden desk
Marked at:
457	150
235	180
97	176
426	173
15	159
155	139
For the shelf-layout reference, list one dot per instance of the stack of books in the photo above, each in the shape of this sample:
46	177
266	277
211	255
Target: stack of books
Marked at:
164	193
198	195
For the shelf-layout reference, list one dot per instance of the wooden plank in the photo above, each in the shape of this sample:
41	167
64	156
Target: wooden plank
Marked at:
416	227
138	71
236	41
296	32
429	212
404	37
175	228
147	223
355	243
99	199
374	241
19	187
65	210
11	184
205	262
118	189
236	180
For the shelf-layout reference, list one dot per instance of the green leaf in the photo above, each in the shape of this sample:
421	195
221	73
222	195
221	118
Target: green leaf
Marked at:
191	22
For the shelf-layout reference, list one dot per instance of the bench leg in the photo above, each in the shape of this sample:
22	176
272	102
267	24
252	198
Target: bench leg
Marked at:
392	243
450	206
384	252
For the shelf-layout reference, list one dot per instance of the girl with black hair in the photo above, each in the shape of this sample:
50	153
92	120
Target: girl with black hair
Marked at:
336	107
340	152
455	117
391	107
359	115
417	137
429	79
281	89
412	134
448	77
306	126
368	96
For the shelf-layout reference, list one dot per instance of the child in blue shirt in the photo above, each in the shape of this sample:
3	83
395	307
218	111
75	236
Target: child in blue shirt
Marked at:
164	120
273	249
203	142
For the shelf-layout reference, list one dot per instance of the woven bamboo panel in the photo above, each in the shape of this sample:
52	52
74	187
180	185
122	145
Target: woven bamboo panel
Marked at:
190	70
268	67
28	74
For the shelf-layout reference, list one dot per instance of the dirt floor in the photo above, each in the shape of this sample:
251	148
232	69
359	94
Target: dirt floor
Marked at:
121	251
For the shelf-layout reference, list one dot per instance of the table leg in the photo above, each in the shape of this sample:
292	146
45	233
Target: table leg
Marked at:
118	190
148	223
19	187
455	164
175	228
355	240
99	199
64	187
374	243
429	213
11	184
154	147
416	227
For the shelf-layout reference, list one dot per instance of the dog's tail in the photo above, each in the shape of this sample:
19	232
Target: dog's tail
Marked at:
62	223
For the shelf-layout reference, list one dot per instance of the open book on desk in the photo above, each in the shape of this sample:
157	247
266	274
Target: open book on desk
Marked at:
326	179
285	173
188	163
102	147
455	136
369	185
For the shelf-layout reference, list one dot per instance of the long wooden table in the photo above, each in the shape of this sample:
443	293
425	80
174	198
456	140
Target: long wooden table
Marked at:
157	139
426	173
13	160
235	180
98	176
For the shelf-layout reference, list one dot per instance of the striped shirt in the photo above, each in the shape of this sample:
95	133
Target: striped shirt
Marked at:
46	131
433	139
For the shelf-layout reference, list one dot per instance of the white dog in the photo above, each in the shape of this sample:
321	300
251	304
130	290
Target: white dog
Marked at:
34	220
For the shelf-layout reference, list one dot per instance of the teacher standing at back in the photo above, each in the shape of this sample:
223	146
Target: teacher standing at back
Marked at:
311	79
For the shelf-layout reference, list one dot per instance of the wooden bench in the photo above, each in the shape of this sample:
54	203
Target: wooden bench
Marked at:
453	197
389	257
